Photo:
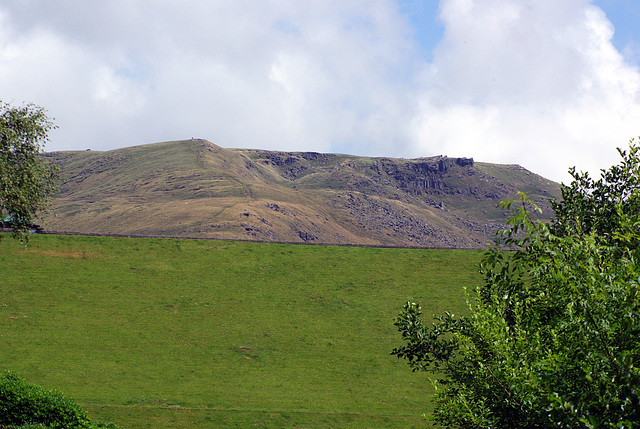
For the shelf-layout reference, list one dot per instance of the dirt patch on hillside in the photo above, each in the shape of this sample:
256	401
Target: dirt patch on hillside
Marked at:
58	253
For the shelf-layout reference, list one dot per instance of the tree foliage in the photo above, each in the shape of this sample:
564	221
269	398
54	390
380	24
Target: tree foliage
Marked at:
591	206
24	405
552	338
26	178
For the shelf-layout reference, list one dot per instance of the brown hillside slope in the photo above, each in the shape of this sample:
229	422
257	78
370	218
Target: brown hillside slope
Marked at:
194	188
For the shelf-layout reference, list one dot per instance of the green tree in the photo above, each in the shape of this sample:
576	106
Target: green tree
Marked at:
26	179
589	205
552	338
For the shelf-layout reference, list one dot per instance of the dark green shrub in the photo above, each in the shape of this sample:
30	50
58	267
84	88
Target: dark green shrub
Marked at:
27	406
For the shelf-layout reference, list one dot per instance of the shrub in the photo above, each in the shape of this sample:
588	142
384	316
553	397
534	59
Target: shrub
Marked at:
27	406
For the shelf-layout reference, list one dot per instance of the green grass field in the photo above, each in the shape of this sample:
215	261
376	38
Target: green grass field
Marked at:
159	333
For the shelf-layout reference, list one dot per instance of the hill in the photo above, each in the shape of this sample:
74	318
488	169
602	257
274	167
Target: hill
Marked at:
194	188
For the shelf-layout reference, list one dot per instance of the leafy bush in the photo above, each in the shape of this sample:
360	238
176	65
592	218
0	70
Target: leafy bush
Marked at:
553	339
27	406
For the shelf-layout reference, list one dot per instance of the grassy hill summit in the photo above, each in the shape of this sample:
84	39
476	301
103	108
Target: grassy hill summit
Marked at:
194	188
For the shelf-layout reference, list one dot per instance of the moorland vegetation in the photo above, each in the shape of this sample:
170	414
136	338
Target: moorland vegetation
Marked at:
194	188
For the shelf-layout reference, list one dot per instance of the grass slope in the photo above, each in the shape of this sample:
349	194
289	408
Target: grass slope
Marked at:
160	333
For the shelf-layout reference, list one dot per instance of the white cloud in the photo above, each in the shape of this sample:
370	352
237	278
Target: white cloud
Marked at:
534	82
283	75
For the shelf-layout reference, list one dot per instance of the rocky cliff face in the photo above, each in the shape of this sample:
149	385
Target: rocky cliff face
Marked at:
423	176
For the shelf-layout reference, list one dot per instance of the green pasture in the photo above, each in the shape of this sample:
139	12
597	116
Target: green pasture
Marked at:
160	333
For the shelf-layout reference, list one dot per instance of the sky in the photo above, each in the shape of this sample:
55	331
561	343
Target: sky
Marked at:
545	84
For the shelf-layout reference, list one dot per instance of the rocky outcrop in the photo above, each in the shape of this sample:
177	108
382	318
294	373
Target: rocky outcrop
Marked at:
423	176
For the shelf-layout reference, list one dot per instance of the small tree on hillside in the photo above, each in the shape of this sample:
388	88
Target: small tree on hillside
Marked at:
553	335
26	178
